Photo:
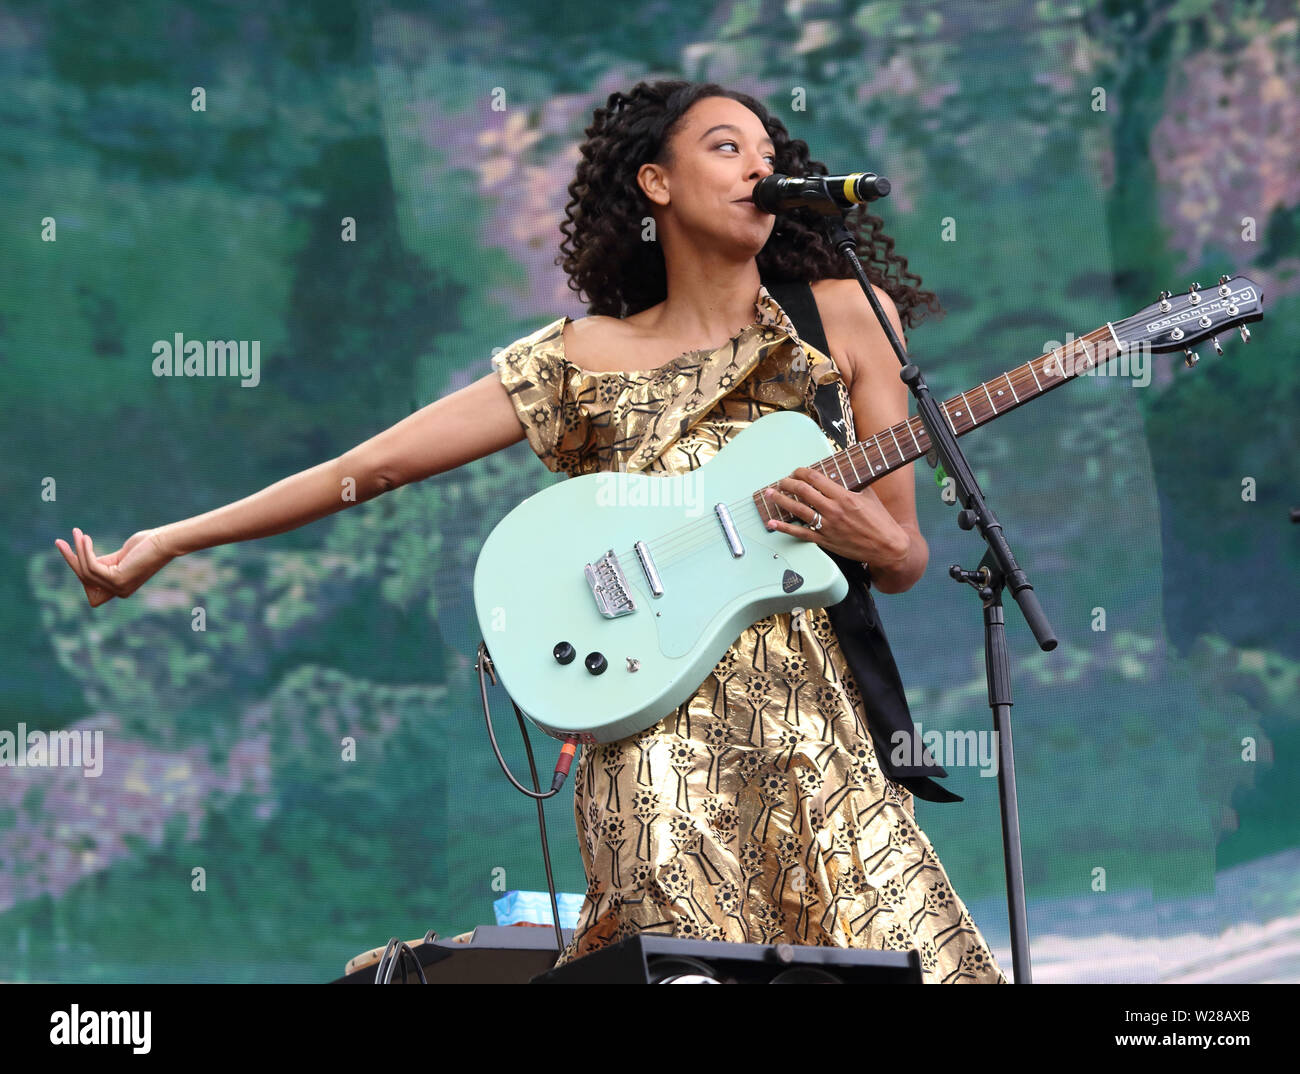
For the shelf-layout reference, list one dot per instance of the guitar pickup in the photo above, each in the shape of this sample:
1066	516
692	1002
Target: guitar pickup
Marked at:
648	566
609	587
729	530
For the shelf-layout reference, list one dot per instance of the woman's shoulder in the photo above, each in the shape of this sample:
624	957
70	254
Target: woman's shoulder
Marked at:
849	306
850	322
588	338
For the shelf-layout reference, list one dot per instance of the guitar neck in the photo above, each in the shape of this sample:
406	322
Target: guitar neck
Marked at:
869	460
1171	324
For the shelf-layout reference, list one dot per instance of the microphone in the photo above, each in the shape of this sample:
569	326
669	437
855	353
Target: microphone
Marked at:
781	193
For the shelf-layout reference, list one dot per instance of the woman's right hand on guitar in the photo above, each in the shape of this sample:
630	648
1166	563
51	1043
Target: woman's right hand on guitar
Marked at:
120	573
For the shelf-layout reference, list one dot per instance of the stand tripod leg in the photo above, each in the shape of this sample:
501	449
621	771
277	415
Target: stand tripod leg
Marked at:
999	679
988	580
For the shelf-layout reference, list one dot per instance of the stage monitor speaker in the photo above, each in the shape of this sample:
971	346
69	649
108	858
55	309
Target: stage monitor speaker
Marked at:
495	954
649	959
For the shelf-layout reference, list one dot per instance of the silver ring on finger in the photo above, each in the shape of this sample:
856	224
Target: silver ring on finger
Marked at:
817	521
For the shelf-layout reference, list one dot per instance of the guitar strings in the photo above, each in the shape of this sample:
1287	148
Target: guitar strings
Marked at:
692	537
686	540
676	544
669	547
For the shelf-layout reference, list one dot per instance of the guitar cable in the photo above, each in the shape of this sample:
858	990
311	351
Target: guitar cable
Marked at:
483	664
399	951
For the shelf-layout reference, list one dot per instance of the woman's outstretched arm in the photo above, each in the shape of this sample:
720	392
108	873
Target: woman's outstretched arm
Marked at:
466	425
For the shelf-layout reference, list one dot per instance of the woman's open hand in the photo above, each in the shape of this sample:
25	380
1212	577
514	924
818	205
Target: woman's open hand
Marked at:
120	573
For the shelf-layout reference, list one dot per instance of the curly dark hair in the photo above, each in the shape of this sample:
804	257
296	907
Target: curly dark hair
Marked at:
602	253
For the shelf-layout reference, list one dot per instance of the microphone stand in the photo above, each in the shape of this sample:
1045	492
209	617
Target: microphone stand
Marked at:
996	569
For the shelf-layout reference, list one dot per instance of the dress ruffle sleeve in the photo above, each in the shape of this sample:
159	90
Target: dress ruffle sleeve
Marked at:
539	383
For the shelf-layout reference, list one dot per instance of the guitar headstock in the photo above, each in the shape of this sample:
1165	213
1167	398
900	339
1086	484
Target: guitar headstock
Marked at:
1178	322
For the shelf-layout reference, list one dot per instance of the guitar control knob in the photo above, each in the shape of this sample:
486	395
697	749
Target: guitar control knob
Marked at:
596	663
564	652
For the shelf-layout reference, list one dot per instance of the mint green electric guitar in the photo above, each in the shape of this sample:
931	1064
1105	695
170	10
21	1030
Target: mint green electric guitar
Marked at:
606	600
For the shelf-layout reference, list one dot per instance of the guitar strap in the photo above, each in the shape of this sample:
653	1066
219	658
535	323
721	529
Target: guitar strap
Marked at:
855	619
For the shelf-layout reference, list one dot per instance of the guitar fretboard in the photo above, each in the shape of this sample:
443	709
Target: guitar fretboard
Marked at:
859	465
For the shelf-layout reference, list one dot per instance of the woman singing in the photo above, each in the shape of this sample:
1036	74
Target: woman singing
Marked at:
757	811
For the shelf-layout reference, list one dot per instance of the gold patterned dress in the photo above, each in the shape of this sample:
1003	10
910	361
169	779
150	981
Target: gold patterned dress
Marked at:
755	812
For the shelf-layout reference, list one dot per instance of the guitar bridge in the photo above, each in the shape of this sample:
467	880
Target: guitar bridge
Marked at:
609	587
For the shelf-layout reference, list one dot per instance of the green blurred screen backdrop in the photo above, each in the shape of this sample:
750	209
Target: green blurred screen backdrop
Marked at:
372	192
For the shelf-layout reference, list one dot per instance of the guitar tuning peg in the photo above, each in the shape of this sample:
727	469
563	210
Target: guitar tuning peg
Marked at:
1194	288
1165	307
1165	294
1191	358
1217	349
1245	334
1223	279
